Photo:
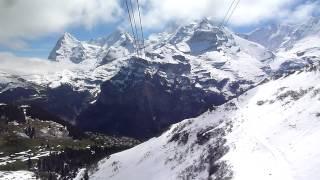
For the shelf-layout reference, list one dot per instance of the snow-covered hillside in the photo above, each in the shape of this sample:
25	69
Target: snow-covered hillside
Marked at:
270	132
17	175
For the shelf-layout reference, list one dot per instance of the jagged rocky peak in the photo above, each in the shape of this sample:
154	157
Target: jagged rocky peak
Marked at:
206	23
70	50
118	37
201	36
67	38
119	44
63	47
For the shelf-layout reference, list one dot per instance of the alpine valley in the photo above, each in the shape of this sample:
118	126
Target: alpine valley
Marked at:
207	103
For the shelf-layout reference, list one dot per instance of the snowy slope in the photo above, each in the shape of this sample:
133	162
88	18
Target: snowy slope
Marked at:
295	45
270	132
303	53
17	175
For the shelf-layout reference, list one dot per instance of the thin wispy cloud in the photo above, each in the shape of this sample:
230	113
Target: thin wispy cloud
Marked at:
22	20
25	66
25	20
249	12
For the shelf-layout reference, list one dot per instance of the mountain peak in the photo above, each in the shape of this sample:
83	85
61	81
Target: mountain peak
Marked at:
64	44
119	35
67	34
206	23
68	38
200	36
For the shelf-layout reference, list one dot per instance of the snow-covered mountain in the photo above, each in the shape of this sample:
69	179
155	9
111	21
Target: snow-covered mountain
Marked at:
68	48
261	91
283	37
114	46
294	45
198	60
78	69
270	132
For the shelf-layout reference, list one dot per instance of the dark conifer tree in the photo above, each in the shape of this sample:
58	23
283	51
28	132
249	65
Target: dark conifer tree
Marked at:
86	175
29	163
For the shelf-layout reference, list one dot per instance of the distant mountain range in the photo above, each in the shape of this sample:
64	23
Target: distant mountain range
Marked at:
219	105
183	73
277	37
268	132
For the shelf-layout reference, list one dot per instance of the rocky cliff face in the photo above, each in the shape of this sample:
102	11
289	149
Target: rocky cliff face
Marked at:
146	97
183	74
62	101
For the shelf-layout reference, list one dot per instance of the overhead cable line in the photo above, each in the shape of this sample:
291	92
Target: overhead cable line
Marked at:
228	11
135	26
141	27
235	7
134	36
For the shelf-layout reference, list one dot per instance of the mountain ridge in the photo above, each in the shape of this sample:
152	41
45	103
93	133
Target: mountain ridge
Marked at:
212	60
213	104
284	36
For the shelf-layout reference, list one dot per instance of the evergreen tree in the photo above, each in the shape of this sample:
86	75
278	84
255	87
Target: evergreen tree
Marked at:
86	175
50	176
29	163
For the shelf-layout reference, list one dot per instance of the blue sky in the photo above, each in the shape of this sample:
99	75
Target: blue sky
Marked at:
31	28
41	47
